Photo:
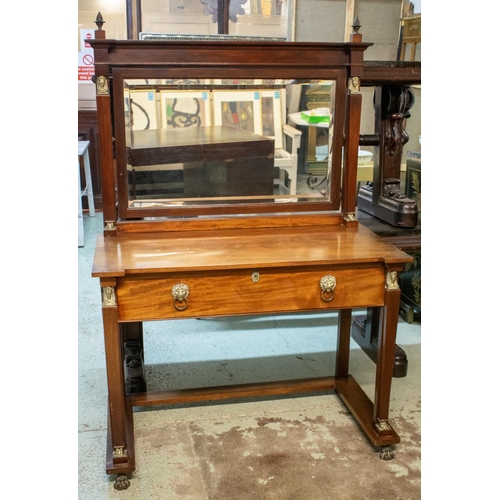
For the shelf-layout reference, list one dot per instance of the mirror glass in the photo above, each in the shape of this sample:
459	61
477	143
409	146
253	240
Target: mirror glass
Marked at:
195	141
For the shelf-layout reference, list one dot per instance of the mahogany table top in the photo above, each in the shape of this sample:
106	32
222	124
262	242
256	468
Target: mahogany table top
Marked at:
228	249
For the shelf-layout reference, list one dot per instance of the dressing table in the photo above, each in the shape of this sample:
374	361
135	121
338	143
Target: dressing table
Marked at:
222	253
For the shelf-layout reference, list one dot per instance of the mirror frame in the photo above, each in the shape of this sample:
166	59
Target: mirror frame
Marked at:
125	211
119	60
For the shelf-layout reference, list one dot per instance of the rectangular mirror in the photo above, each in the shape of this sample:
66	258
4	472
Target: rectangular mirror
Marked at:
222	143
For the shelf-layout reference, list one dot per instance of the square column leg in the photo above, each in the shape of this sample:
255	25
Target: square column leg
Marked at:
385	354
120	452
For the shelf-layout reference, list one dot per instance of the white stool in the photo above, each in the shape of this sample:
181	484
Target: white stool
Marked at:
83	150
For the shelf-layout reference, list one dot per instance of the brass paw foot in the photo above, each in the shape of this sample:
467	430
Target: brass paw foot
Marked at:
386	453
122	482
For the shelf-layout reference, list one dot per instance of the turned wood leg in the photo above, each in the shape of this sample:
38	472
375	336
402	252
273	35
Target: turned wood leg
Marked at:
385	355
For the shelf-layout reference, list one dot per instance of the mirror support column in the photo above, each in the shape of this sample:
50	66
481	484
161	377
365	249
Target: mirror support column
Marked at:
353	124
351	151
103	103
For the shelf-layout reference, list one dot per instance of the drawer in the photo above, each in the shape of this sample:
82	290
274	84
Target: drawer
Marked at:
220	293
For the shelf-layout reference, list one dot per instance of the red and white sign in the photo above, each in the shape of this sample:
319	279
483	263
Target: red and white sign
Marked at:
84	36
85	57
85	66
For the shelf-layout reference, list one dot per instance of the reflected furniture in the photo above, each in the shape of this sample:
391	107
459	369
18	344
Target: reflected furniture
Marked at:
286	158
83	153
223	254
180	113
411	36
233	162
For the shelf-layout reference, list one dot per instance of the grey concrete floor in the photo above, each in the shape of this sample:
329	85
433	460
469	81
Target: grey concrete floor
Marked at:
195	353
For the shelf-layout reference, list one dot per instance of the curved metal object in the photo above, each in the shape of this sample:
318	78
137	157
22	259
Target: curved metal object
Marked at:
122	482
180	293
327	284
386	453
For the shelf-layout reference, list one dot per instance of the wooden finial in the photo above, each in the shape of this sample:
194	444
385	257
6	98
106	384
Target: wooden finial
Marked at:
356	25
99	21
355	36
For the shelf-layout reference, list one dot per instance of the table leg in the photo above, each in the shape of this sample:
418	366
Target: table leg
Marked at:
343	341
385	355
120	456
365	333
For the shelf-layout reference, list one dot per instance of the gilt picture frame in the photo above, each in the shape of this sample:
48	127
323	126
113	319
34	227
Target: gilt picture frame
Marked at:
241	109
272	115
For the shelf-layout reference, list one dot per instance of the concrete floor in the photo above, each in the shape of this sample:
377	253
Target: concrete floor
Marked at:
304	447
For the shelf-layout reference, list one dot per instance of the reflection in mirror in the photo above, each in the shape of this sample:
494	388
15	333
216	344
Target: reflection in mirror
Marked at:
192	142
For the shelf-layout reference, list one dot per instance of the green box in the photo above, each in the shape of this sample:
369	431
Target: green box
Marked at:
314	118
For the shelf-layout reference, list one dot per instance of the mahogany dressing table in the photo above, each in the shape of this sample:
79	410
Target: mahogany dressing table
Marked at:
213	254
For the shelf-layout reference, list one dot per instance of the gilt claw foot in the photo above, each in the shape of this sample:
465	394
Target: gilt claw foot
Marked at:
122	482
386	453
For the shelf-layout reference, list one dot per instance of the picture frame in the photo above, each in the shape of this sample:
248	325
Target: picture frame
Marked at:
241	109
143	109
273	115
185	108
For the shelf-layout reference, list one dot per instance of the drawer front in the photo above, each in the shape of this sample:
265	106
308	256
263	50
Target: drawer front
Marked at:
243	292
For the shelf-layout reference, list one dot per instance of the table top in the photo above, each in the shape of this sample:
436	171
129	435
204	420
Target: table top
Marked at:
191	144
230	249
82	147
190	136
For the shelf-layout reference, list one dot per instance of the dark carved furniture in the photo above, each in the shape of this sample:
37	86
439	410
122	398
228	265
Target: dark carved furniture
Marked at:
385	198
208	256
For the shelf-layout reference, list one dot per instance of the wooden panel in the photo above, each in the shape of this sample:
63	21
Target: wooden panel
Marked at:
228	293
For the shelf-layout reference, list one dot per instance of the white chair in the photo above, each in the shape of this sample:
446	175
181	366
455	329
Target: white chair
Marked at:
285	153
286	158
83	151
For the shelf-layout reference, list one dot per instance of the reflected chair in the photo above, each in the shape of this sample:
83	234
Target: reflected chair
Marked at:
286	158
270	123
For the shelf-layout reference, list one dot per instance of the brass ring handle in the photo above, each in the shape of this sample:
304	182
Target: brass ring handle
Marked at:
180	293
327	284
